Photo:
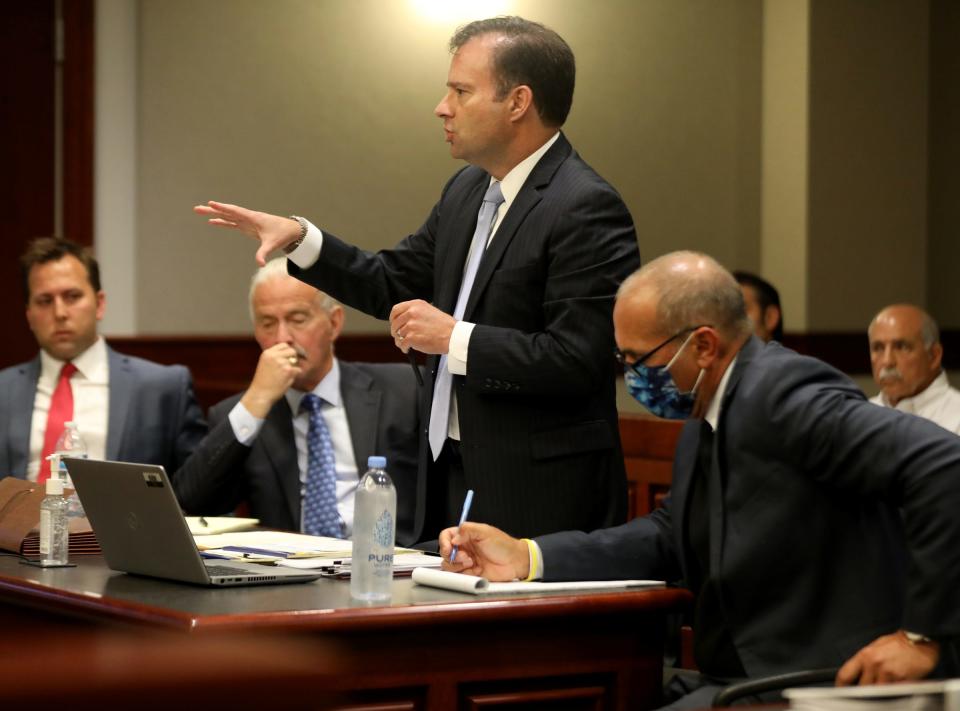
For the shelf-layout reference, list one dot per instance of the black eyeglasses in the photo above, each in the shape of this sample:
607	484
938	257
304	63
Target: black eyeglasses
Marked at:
621	356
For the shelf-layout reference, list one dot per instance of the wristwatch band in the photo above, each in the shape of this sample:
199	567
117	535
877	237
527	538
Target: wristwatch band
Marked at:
303	233
917	638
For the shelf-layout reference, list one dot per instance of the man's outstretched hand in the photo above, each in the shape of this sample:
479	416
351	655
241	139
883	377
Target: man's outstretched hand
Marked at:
272	231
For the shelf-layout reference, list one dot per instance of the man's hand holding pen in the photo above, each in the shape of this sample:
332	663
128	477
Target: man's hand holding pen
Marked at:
277	368
486	551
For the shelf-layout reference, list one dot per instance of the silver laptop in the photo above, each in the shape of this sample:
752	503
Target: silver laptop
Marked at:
138	523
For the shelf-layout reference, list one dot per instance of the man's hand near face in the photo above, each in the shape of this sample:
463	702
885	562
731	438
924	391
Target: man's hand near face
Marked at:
276	371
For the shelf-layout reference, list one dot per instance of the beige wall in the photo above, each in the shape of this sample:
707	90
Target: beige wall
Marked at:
324	108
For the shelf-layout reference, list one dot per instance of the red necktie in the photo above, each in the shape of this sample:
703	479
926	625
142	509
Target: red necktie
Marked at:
61	411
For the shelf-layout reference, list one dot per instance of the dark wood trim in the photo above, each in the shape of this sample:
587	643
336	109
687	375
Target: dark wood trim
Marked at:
78	120
849	351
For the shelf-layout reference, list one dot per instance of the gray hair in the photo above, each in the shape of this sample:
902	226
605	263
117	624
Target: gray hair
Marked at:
692	290
276	268
929	330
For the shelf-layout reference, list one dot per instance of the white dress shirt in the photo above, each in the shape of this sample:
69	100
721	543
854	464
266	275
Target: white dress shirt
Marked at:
308	252
246	427
939	403
91	402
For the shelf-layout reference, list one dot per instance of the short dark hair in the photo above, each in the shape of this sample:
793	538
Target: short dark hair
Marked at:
767	295
530	54
51	249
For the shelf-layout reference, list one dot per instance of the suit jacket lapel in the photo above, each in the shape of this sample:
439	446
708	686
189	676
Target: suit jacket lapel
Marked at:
449	271
362	405
683	465
526	199
122	386
280	448
21	402
718	469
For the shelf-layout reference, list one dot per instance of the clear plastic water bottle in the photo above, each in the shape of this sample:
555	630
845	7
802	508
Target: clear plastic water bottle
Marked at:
374	528
70	444
54	537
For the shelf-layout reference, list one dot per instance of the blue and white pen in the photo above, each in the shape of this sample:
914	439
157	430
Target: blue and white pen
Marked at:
463	517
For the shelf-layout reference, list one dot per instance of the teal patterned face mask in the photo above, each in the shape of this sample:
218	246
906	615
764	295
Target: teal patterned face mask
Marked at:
655	389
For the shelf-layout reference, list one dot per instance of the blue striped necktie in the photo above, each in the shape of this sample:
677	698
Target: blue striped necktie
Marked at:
320	516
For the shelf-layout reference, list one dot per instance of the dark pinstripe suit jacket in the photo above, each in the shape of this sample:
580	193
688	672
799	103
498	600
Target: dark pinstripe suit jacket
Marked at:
537	409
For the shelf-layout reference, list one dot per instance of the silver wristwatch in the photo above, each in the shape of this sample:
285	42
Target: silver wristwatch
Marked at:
303	233
917	638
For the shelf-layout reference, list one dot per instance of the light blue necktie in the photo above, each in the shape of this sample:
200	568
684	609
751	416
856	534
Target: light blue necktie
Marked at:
440	409
320	517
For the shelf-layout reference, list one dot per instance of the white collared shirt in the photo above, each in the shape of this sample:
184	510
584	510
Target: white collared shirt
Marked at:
939	403
91	401
246	427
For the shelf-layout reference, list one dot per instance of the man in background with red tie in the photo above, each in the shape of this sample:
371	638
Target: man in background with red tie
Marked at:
126	408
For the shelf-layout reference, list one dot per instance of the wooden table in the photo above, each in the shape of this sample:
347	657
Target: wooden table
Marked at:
428	649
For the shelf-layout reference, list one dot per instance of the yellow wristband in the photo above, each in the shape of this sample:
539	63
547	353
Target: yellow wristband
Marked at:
534	560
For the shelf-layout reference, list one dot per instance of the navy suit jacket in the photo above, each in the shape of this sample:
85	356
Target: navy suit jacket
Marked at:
153	418
381	403
808	542
538	420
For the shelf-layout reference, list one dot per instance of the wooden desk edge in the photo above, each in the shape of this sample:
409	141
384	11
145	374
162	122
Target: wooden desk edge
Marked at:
97	607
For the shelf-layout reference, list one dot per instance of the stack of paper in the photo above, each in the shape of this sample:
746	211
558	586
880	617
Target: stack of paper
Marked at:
295	550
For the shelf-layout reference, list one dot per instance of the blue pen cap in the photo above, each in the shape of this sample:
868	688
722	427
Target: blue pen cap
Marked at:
376	462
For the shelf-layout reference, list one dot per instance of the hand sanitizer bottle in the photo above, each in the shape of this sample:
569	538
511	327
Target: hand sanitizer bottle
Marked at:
54	537
374	528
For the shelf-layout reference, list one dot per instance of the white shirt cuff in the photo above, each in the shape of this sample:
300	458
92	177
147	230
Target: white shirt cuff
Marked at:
245	426
307	254
459	344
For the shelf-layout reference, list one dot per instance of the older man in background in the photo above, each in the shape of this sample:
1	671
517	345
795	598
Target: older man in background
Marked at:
906	355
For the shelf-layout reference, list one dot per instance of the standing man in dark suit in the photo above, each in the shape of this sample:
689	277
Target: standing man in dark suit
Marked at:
126	408
814	528
508	285
261	441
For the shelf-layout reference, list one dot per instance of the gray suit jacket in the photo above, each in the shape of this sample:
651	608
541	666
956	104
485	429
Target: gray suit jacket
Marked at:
836	522
381	401
154	417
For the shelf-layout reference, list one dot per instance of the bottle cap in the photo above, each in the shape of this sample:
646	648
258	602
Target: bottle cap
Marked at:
55	486
376	462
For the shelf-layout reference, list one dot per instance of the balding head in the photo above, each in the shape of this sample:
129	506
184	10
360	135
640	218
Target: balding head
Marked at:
905	351
688	289
683	310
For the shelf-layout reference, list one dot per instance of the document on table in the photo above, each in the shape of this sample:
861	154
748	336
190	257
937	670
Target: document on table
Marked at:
211	525
903	696
295	550
458	582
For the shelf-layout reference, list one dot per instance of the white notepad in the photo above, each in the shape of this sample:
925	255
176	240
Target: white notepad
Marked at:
474	585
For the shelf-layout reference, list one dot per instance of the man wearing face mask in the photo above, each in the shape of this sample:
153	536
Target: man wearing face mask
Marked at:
294	444
815	529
